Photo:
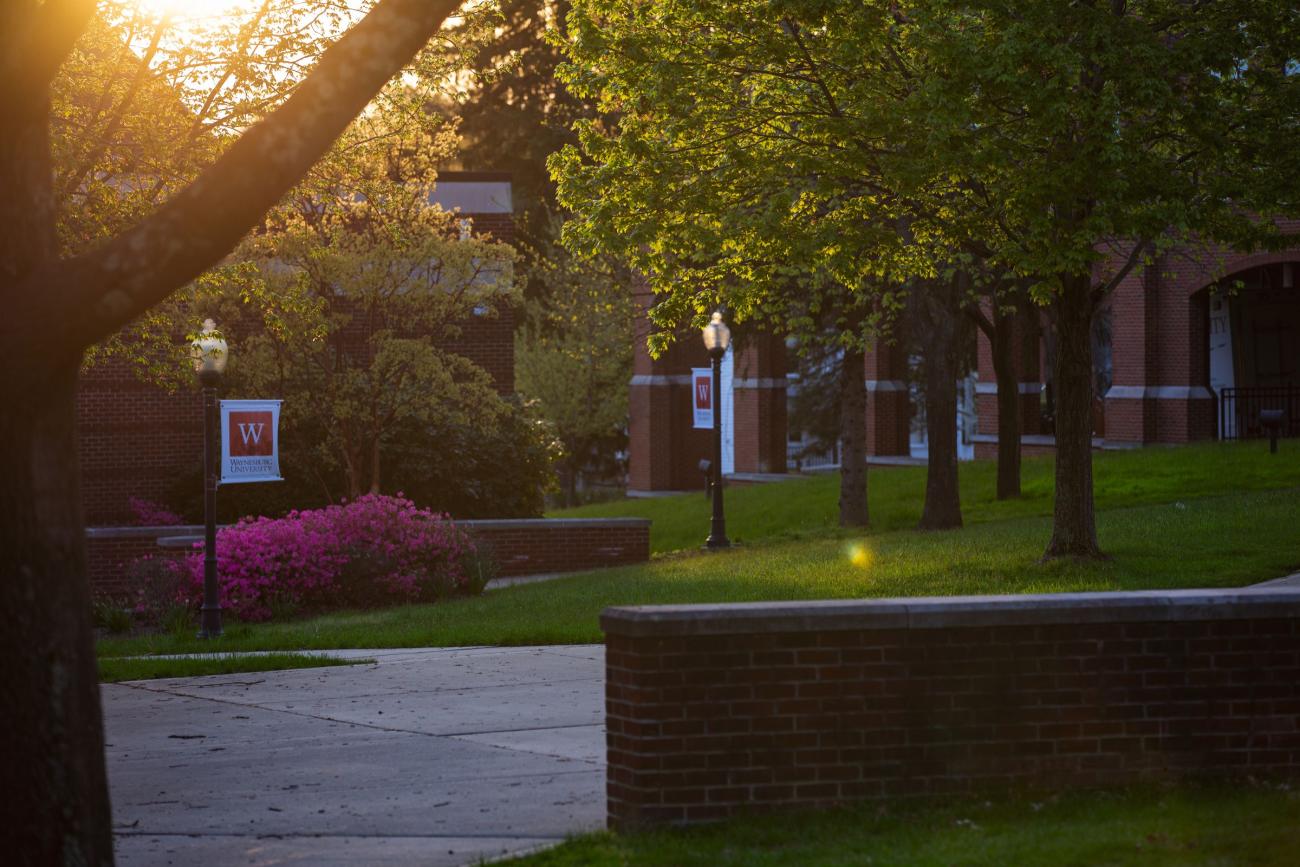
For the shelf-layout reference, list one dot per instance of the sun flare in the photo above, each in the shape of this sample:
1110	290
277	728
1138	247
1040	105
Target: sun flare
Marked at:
860	555
194	9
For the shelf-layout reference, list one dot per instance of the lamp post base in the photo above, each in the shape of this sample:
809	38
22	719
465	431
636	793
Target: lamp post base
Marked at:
210	623
717	538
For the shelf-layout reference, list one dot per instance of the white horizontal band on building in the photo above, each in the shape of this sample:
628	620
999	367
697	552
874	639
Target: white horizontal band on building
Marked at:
992	387
661	379
763	382
886	385
1159	392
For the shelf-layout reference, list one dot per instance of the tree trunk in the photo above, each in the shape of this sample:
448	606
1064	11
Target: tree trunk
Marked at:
1008	383
940	311
55	796
853	439
56	808
942	510
570	470
1074	526
374	465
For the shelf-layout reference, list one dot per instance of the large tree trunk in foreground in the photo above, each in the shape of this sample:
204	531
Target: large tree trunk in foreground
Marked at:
853	439
1008	381
55	795
1074	526
939	309
56	808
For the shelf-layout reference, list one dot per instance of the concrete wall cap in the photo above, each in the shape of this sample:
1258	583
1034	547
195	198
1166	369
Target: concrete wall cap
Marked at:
180	541
185	530
950	612
143	532
551	523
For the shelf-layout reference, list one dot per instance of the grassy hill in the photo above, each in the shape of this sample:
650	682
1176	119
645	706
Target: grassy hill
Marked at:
807	507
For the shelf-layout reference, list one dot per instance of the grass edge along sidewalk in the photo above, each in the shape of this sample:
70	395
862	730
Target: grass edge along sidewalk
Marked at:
116	669
1217	825
1211	542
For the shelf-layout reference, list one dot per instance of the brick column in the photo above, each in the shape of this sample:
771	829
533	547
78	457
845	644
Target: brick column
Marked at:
1159	362
888	407
759	388
664	450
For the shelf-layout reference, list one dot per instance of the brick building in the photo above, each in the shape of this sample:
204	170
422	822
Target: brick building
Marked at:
1191	348
134	439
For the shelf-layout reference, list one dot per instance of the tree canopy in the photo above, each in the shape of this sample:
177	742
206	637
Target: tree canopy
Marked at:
873	145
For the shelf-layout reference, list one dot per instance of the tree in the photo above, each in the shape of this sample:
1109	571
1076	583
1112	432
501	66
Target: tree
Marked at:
1096	136
56	809
574	357
939	312
742	163
1001	313
514	114
393	282
517	112
146	100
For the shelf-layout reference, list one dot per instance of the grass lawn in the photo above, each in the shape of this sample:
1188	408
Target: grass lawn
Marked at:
808	506
1209	542
116	669
1214	827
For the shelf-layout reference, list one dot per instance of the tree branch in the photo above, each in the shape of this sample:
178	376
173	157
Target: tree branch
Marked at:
104	137
97	293
1134	257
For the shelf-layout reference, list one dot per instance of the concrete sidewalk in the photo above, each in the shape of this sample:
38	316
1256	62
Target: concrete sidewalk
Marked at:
437	758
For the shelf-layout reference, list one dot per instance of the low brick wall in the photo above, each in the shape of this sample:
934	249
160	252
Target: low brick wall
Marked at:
715	709
543	545
110	550
522	547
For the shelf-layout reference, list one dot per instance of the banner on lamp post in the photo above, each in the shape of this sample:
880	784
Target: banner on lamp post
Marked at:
250	441
702	397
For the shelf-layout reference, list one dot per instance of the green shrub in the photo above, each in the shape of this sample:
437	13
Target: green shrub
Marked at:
479	566
160	591
111	615
461	470
471	473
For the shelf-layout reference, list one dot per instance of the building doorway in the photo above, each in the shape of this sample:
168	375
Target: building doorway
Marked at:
1254	348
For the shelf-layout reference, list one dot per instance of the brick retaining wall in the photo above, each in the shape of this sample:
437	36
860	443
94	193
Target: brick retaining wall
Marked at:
534	547
521	547
111	550
715	709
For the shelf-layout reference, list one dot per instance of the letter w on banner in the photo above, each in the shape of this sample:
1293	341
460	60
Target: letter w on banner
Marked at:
702	397
250	441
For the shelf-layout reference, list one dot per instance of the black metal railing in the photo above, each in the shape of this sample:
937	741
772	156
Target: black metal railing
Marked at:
1239	411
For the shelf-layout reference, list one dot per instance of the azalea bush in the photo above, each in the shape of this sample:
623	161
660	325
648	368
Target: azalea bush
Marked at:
375	550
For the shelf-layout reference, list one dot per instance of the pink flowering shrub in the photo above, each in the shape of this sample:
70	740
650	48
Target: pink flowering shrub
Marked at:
375	550
150	514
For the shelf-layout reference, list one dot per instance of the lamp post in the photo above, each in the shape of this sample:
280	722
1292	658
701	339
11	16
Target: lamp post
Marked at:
717	337
210	357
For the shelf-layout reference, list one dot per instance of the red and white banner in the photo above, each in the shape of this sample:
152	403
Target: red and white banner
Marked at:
702	396
250	441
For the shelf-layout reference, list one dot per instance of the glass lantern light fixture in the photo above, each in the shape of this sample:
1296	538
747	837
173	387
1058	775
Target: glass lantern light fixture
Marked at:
210	351
717	336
